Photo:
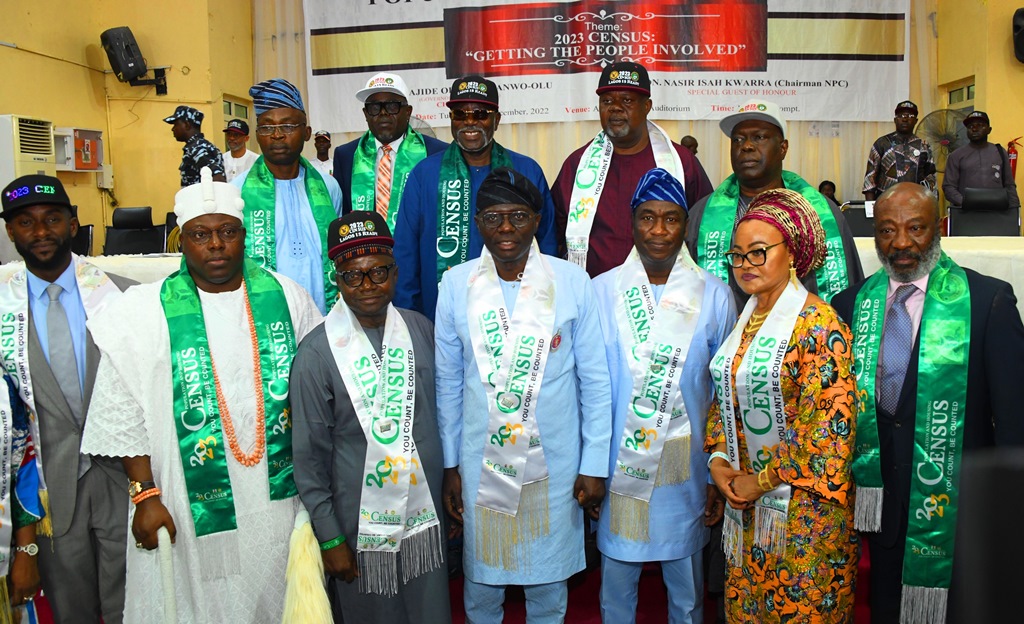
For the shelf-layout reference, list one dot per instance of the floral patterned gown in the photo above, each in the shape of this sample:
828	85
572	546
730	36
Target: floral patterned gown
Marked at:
814	580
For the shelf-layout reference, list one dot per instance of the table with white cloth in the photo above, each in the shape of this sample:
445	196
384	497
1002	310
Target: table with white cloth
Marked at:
1001	257
141	268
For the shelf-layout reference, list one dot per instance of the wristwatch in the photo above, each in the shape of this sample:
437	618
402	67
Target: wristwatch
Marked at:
138	487
29	549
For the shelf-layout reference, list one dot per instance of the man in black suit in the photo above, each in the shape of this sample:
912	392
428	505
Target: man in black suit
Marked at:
917	452
45	304
372	169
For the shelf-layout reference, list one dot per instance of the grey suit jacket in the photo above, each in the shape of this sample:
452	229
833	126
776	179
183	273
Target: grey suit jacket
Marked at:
61	434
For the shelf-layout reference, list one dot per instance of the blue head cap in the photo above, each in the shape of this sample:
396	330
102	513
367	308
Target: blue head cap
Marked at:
659	185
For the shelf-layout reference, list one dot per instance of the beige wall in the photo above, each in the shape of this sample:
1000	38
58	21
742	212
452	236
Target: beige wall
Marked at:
976	39
59	65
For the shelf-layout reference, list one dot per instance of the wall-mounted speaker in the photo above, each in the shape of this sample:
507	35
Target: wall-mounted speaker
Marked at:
1018	34
123	53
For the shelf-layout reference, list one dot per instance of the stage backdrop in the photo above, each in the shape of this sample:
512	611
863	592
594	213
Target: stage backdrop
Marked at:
846	62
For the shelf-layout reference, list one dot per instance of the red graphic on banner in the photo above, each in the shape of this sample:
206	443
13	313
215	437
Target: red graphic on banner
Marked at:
550	38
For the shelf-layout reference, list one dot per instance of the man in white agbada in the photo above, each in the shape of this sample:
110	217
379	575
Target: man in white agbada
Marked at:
192	394
663	319
523	407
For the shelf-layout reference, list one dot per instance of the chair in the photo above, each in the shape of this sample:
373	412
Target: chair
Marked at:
985	212
81	244
857	218
133	232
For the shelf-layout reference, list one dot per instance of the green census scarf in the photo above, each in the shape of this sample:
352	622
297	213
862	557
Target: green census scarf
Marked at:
715	235
454	194
197	415
258	219
938	435
364	172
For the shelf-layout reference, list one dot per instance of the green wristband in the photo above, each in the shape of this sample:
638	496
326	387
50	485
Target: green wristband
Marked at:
338	541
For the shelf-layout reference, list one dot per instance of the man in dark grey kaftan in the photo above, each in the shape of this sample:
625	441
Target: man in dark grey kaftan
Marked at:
330	441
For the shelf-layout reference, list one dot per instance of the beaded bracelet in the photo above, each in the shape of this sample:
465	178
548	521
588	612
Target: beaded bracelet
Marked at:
717	454
764	480
141	496
338	541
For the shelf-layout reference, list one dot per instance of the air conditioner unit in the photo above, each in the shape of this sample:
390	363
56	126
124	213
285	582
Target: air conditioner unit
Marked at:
26	147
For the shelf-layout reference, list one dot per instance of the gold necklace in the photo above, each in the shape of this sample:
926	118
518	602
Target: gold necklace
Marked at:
755	322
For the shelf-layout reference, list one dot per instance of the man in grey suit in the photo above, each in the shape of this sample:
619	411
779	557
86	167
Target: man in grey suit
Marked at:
53	360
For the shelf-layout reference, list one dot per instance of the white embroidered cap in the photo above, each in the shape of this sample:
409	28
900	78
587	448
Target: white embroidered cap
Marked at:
208	197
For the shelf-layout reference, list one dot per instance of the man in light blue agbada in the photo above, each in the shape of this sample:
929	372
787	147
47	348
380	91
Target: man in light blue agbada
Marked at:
523	407
288	203
663	318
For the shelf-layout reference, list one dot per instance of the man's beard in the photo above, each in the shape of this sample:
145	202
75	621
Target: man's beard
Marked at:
618	134
926	261
488	138
59	257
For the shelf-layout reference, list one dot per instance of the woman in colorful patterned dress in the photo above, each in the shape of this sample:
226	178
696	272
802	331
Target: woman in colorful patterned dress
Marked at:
781	432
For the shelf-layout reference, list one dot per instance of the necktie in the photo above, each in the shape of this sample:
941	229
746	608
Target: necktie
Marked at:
383	193
897	341
62	352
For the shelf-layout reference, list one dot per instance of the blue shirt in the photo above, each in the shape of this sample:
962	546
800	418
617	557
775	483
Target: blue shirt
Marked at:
677	511
573	412
71	300
297	237
416	227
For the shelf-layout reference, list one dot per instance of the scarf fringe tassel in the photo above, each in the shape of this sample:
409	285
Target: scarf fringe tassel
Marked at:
45	525
500	535
421	552
674	467
770	530
732	540
378	572
630	517
867	510
577	257
923	605
6	617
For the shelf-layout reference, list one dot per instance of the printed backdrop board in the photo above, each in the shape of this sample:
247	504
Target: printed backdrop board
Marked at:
706	57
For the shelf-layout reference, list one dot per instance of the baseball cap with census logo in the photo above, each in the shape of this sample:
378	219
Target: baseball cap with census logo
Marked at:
33	190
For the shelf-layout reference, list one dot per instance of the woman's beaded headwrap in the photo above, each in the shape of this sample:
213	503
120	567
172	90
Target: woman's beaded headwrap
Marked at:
793	216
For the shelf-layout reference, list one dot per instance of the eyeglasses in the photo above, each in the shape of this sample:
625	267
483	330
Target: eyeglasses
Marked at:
226	233
493	220
478	114
283	128
907	116
377	275
391	108
756	257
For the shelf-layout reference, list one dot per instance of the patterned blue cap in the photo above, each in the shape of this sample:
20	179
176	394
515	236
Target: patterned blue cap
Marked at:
275	93
659	185
187	113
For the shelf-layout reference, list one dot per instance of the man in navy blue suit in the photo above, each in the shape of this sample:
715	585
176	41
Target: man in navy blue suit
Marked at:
372	169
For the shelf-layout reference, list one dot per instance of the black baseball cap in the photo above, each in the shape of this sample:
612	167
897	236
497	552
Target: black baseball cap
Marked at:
33	190
906	105
625	76
474	89
359	233
237	125
982	115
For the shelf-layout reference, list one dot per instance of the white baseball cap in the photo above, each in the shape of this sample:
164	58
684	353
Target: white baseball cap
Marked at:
754	109
383	83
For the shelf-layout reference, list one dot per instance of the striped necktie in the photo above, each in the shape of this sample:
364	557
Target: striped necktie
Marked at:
383	193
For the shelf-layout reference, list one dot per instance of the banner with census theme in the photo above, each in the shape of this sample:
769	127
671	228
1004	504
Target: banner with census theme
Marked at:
845	60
